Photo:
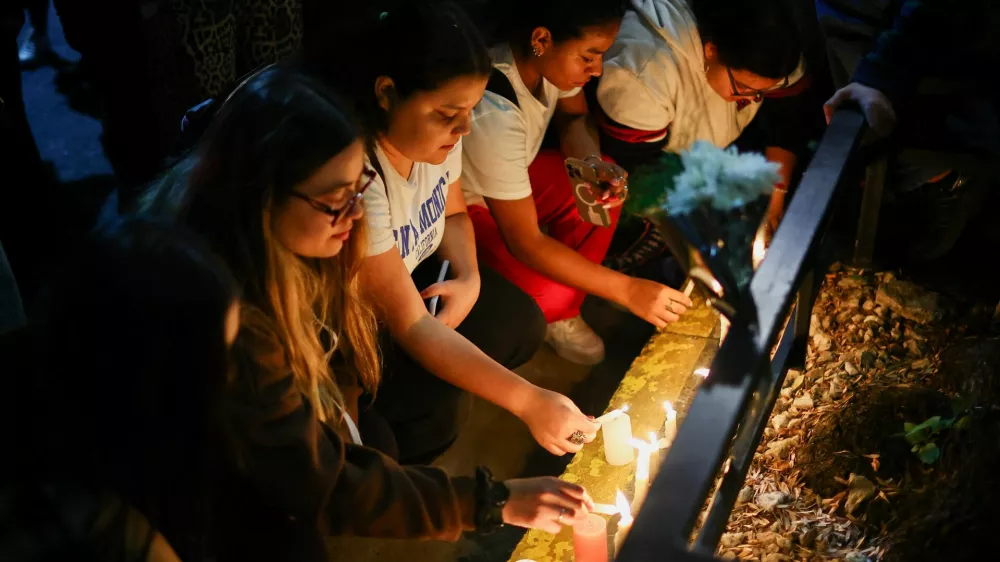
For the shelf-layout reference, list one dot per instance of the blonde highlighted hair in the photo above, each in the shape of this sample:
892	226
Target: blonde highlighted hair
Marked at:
299	314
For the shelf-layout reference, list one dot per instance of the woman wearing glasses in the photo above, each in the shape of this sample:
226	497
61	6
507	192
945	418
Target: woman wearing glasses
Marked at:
687	70
273	187
415	94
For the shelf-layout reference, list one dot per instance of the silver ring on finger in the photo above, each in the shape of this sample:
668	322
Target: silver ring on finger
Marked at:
562	512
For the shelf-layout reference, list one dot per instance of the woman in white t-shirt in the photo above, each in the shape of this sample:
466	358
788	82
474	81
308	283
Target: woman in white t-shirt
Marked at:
552	48
415	93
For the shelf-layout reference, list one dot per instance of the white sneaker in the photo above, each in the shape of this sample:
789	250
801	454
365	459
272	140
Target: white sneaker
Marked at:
575	341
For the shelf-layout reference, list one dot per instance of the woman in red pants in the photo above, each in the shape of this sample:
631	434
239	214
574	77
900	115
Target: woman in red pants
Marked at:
551	49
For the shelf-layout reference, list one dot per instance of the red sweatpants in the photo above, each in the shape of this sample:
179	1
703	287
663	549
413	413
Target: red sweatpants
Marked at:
556	208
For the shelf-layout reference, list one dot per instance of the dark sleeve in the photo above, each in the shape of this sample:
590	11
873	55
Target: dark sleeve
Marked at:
920	30
301	468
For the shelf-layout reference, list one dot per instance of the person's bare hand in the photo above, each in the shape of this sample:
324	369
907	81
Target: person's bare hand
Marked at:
545	503
553	418
458	296
655	303
876	106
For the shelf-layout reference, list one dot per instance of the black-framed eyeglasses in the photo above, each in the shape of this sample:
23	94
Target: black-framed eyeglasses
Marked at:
367	177
756	95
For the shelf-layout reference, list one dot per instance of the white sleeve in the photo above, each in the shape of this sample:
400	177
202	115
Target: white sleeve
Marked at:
494	157
628	100
378	219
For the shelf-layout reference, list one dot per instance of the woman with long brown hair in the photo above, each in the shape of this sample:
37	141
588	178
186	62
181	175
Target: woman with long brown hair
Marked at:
274	187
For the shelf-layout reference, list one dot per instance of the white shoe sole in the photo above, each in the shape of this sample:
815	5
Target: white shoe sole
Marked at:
577	357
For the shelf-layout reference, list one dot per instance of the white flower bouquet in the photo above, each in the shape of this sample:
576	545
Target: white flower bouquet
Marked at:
709	202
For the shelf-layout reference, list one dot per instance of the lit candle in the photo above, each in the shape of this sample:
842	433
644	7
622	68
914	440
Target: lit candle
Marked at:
617	432
759	249
670	425
654	458
625	523
641	472
590	539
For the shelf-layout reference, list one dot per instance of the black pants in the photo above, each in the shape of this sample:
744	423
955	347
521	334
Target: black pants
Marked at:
425	412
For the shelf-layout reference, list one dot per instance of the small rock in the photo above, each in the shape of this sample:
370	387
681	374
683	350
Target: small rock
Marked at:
913	347
729	555
920	364
822	341
779	421
769	432
808	538
766	539
815	373
872	319
793	423
780	448
881	310
824	357
784	543
856	557
746	494
868	306
888	276
786	392
827	322
869	335
803	403
910	301
836	391
776	557
771	500
782	404
844	317
850	368
776	526
797	382
860	490
771	549
731	540
857	318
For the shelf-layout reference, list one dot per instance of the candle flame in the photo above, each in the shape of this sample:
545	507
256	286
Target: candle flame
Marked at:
669	408
702	372
638	444
624	408
652	439
621	502
759	250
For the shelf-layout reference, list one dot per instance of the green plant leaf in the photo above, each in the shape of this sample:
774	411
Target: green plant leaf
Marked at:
929	453
963	423
907	426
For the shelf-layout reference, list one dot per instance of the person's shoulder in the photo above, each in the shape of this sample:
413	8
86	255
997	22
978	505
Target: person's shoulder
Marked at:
495	116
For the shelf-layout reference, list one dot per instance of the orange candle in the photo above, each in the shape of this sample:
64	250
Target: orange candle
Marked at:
590	539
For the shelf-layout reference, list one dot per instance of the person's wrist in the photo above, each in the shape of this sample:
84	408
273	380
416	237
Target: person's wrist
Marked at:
491	499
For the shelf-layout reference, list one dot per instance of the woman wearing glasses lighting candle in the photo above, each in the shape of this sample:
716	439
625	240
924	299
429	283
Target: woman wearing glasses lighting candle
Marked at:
274	188
687	70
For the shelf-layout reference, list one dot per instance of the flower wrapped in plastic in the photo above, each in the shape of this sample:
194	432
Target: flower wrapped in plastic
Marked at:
709	204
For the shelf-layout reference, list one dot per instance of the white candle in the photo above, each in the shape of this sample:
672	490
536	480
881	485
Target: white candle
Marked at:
723	328
617	432
654	458
641	473
670	425
604	509
625	523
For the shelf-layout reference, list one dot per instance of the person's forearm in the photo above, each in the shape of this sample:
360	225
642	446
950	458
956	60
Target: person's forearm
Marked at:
784	158
561	263
458	246
454	359
577	137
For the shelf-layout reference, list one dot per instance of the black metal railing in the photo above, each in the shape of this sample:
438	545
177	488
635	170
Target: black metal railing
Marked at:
729	412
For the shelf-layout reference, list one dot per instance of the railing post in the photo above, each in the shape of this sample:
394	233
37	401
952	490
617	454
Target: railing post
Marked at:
871	203
803	319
